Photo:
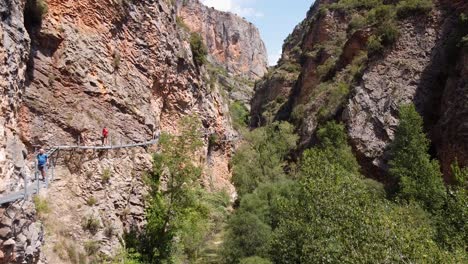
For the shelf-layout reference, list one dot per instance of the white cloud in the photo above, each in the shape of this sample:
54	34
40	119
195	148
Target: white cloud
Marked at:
274	57
223	5
234	6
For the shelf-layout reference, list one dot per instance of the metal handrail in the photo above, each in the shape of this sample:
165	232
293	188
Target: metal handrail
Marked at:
24	194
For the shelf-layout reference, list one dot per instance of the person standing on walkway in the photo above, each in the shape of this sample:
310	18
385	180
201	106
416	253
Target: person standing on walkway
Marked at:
42	162
105	136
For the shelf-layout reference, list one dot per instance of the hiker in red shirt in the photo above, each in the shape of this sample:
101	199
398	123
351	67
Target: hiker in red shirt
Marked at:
105	134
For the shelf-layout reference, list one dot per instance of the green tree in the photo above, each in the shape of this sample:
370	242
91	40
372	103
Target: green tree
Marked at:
176	212
419	177
452	221
249	230
337	218
239	114
262	157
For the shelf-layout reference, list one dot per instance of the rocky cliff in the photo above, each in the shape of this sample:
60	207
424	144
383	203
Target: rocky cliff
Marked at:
236	50
233	43
357	62
124	65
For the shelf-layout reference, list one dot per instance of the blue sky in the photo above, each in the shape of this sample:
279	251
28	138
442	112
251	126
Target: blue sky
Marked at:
274	18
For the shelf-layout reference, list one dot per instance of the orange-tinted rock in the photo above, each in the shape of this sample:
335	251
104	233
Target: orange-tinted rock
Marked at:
233	43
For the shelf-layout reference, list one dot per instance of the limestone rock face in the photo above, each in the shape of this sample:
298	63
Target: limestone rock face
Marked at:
124	65
400	77
326	73
14	52
233	43
20	233
451	131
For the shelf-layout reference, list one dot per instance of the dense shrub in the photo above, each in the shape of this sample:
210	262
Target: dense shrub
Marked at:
91	247
290	67
262	157
451	222
324	69
407	8
357	22
198	48
239	114
335	218
374	45
337	93
91	224
348	5
255	260
388	33
35	11
249	230
381	14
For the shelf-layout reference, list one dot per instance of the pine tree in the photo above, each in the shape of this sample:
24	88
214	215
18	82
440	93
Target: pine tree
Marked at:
419	177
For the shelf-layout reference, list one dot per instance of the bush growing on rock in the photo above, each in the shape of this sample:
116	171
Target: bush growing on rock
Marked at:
91	224
41	205
106	175
407	8
374	45
91	201
239	114
198	48
91	247
35	11
116	59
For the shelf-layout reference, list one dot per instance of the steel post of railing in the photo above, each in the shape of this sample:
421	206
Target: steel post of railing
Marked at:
37	177
25	184
52	169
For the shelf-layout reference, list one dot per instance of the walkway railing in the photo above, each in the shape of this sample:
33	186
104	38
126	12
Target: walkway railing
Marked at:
35	187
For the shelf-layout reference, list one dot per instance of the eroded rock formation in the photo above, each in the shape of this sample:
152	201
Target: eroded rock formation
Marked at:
233	43
237	54
326	72
91	64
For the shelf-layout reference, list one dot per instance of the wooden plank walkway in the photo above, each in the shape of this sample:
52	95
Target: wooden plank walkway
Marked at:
36	186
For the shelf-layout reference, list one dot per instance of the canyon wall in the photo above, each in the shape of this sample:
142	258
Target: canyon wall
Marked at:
327	71
237	54
232	42
124	65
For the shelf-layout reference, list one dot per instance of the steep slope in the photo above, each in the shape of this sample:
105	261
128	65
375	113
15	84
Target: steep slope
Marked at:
19	232
122	65
237	54
357	62
232	42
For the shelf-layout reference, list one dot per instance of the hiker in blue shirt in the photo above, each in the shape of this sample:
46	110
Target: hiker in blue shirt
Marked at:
42	161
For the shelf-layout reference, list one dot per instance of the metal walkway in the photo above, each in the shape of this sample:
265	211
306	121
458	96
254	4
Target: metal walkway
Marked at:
36	185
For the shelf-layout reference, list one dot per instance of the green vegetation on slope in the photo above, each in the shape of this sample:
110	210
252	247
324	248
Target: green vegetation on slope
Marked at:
262	158
377	21
198	48
419	177
327	212
182	215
